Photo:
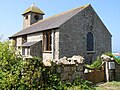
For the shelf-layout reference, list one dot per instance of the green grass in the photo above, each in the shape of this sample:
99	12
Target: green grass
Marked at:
109	86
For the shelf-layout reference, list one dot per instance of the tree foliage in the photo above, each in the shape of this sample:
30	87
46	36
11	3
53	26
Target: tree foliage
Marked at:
112	56
10	66
17	73
95	65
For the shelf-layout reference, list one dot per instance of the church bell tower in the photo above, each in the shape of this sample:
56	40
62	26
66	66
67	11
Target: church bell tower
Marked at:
32	15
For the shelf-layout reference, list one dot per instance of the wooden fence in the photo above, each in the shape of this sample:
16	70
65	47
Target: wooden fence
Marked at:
96	76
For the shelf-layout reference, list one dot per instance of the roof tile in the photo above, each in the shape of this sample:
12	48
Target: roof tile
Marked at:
51	22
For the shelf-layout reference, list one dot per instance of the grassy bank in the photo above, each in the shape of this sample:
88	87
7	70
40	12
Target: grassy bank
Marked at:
109	86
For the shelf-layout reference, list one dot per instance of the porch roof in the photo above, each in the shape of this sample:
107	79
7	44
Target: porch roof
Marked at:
28	44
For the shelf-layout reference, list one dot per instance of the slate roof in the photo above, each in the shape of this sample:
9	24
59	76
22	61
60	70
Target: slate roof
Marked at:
27	44
50	23
33	8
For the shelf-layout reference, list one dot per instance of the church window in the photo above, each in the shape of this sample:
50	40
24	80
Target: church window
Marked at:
90	42
47	41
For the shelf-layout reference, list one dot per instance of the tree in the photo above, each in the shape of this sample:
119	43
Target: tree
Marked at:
17	73
10	66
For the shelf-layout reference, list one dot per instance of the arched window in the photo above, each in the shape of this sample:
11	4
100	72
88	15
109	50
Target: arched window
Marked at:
36	17
90	42
47	40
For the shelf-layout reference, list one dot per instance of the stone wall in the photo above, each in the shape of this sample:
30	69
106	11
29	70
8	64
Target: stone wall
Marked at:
36	49
56	45
47	55
19	41
117	72
34	37
112	68
29	19
109	63
68	68
114	74
71	68
73	35
69	72
18	44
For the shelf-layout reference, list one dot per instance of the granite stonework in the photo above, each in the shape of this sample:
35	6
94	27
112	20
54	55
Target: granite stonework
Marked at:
68	34
68	73
19	41
47	56
56	45
117	72
28	19
73	35
34	37
68	68
36	49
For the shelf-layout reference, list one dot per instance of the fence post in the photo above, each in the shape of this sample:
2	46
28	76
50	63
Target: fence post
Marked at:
107	71
110	70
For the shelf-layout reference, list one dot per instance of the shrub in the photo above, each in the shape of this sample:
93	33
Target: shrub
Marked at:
81	84
10	67
17	73
112	56
95	65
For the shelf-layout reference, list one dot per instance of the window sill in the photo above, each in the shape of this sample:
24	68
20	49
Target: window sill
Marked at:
47	51
90	52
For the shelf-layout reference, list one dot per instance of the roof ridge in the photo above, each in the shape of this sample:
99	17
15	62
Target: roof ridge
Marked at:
62	13
51	22
81	7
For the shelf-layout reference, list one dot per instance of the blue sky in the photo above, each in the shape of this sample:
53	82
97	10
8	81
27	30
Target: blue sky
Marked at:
11	18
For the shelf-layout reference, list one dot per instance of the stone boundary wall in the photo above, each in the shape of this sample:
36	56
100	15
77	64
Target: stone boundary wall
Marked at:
68	68
117	72
68	73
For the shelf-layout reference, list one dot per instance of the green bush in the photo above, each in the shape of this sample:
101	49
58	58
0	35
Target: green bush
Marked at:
17	73
10	67
81	84
112	56
95	65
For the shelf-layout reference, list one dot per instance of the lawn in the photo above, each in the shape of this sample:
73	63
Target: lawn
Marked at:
109	86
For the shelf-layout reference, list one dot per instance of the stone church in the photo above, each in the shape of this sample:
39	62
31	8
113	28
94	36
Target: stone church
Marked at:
79	31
